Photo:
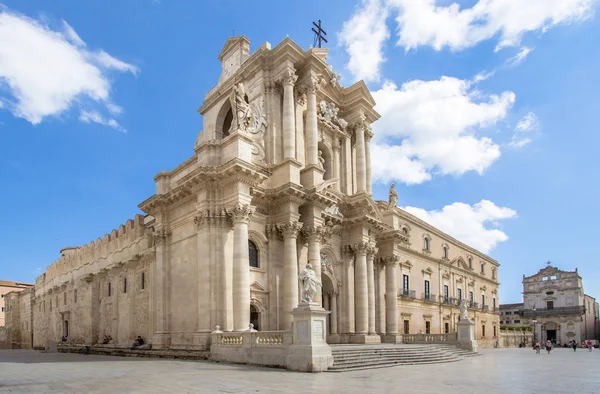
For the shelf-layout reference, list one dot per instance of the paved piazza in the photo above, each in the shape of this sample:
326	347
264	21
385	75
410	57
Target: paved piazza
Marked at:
496	371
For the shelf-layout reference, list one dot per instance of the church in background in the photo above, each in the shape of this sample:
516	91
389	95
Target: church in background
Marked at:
279	177
555	306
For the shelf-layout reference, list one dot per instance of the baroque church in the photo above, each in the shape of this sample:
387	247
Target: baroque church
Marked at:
280	177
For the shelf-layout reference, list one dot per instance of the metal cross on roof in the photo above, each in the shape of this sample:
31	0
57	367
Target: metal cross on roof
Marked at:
319	35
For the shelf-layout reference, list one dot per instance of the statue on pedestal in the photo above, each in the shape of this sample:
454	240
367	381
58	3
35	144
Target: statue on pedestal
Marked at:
393	197
464	315
310	283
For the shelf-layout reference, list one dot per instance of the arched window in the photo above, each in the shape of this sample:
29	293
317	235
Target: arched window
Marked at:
482	267
405	230
253	254
426	243
470	262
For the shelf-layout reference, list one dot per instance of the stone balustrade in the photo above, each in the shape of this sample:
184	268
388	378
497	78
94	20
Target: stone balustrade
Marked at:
449	338
251	347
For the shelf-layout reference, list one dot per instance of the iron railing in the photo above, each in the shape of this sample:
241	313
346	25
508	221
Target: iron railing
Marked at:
428	297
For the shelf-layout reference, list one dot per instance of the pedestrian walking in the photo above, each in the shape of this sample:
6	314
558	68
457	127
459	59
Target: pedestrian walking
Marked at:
589	345
574	345
548	346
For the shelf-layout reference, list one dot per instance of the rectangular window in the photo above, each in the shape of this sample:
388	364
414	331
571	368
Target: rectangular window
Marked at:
427	327
406	326
405	284
426	288
482	300
143	280
483	330
550	304
459	294
471	296
494	303
446	328
446	293
517	321
495	331
65	298
2	309
75	296
109	290
124	285
50	305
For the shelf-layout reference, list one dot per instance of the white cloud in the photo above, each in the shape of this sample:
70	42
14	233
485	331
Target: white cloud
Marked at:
423	23
431	127
520	56
475	225
48	71
524	130
95	117
363	36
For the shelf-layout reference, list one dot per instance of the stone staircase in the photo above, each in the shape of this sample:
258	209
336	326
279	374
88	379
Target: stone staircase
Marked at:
357	357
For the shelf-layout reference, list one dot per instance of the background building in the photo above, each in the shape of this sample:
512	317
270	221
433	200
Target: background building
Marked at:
555	304
5	288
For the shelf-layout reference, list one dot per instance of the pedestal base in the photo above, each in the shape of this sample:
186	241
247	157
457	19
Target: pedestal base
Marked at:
466	335
391	338
310	351
311	176
367	339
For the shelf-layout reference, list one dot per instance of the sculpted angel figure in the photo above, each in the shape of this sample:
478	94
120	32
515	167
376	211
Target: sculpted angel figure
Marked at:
321	159
393	197
310	283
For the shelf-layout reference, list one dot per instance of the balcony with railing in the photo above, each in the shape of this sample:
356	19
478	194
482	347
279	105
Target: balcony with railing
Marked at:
473	305
566	310
428	297
485	308
407	293
448	300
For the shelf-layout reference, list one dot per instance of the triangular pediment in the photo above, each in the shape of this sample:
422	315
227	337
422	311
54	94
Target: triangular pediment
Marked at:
427	271
257	287
460	262
232	44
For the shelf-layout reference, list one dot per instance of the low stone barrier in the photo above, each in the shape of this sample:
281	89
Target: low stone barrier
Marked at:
123	351
450	338
510	338
256	347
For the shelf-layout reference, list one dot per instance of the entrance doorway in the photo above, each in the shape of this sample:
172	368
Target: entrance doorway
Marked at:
66	329
551	335
255	317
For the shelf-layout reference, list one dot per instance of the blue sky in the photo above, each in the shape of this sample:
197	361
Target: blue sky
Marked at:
489	114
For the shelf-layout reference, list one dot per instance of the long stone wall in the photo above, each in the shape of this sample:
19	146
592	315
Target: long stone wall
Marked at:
514	338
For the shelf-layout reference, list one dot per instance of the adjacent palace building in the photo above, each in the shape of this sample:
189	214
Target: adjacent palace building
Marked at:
556	306
279	177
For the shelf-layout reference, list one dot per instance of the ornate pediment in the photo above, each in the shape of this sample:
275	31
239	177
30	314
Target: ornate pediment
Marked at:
460	262
446	275
256	287
427	271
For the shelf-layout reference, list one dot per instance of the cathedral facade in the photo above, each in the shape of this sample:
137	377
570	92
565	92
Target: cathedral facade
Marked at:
280	177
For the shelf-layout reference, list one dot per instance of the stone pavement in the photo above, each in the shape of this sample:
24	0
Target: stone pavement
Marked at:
496	371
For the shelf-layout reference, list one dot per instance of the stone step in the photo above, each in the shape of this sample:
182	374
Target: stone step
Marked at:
350	363
387	364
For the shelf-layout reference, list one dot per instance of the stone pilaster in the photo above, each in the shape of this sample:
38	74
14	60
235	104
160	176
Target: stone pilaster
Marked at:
368	136
289	121
161	337
289	230
380	298
361	287
336	164
240	215
334	314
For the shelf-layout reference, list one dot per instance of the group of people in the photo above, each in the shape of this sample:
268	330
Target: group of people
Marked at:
573	344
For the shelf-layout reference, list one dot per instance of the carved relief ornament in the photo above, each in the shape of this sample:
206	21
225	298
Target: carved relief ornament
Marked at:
241	213
289	229
289	78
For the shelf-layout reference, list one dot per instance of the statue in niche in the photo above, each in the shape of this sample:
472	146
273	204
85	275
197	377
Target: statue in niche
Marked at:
321	160
464	315
310	283
393	197
243	114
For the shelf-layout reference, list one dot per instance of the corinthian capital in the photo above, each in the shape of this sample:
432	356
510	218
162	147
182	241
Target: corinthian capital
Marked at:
240	213
289	78
360	248
316	233
289	229
160	236
312	86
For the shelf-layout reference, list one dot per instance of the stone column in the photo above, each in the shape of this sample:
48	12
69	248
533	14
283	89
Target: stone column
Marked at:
361	160
368	137
290	270
371	289
391	296
348	170
380	299
240	215
312	134
333	317
289	121
314	234
336	164
361	288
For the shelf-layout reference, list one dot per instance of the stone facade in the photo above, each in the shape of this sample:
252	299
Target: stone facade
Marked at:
280	177
554	303
6	287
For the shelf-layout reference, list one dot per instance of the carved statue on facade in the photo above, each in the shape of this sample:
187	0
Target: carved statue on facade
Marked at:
243	114
464	315
310	283
393	197
321	160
